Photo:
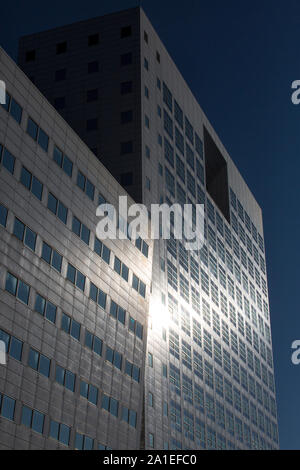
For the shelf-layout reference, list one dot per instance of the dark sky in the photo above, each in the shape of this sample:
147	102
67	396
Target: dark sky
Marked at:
239	58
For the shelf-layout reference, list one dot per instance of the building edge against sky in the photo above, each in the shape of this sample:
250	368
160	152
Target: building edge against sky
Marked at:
209	375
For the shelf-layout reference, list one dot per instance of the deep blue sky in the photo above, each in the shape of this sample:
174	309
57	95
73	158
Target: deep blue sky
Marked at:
239	59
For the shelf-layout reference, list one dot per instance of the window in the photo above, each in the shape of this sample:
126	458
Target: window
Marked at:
126	31
146	64
136	327
126	179
89	392
93	39
114	357
7	159
158	57
76	277
63	161
61	47
65	378
31	183
13	346
94	343
60	432
81	230
117	312
17	288
7	407
37	134
70	326
126	116
150	399
146	37
147	121
132	370
138	285
146	92
151	440
93	67
39	362
92	124
83	442
30	55
167	97
12	107
59	102
33	419
126	147
121	268
129	416
102	250
24	234
60	75
126	59
98	296
51	257
45	308
148	183
85	185
58	208
92	95
110	404
126	88
150	359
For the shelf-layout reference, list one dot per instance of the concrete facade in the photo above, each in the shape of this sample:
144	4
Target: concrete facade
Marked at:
75	413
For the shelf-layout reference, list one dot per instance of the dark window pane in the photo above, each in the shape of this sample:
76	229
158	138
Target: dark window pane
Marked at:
65	323
62	213
125	272
3	215
46	252
75	330
15	349
37	188
121	315
19	229
30	239
114	407
93	39
118	360
126	87
93	394
106	254
57	156
51	312
61	47
113	309
88	443
67	166
80	280
16	111
125	414
132	324
60	375
23	292
64	434
32	128
109	354
70	380
52	203
30	55
40	303
33	359
132	418
85	234
93	292
26	178
79	441
76	226
88	339
135	282
80	180
43	140
128	368
11	283
90	189
71	273
38	422
54	429
56	261
102	299
26	416
98	346
8	161
136	373
142	289
84	389
117	265
44	366
145	249
93	67
139	330
105	402
126	31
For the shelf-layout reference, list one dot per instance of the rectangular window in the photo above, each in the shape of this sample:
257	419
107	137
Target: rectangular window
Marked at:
17	288
7	407
76	277
33	419
31	183
85	185
60	432
102	250
57	207
13	346
24	234
45	308
98	296
117	312
39	362
51	257
7	159
63	161
81	230
37	134
70	326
